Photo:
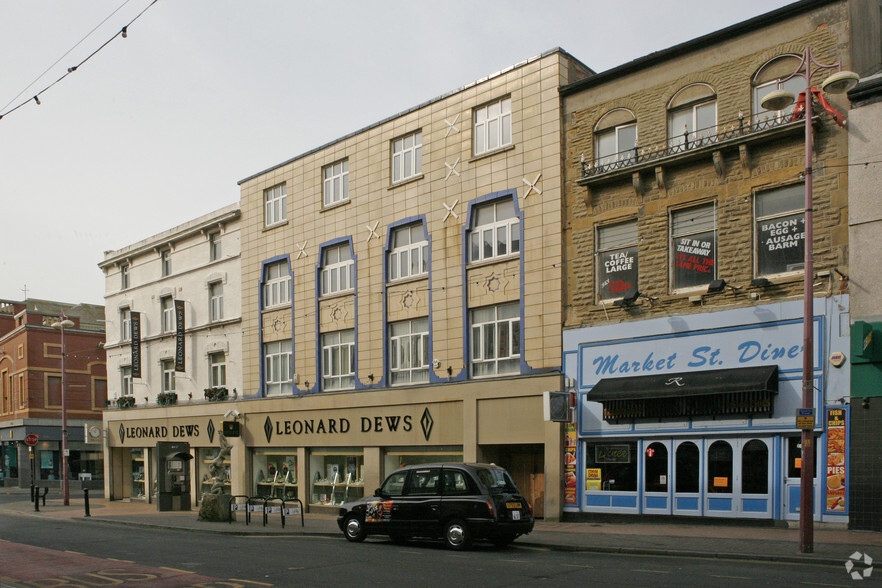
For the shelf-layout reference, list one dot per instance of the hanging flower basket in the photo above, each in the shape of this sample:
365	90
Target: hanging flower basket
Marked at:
125	401
166	398
216	394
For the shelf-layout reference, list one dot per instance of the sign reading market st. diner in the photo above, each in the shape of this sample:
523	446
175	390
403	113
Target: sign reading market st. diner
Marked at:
778	343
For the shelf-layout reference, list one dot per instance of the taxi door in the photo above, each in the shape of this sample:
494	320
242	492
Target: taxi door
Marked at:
418	510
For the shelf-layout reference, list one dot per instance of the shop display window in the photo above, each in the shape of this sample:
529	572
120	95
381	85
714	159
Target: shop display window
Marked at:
8	460
337	476
139	490
616	462
402	457
48	460
275	474
205	458
85	462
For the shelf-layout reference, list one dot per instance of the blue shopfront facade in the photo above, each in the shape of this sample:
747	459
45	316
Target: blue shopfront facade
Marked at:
695	415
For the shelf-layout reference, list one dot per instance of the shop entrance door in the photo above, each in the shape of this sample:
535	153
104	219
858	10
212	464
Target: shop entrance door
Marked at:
657	478
671	477
737	478
793	481
687	477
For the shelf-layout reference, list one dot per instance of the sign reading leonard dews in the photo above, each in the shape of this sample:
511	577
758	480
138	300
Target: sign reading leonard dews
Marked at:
411	424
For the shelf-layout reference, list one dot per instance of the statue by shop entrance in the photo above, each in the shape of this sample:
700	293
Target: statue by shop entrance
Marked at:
215	505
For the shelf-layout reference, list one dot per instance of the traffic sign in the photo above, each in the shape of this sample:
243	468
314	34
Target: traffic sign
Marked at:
805	418
31	439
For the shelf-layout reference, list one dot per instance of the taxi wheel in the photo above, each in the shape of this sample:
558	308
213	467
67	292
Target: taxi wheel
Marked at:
457	535
354	529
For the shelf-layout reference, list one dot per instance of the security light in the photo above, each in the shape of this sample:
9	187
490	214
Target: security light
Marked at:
716	286
629	300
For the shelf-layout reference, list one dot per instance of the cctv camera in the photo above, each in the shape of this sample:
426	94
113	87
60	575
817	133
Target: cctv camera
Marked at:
228	413
235	413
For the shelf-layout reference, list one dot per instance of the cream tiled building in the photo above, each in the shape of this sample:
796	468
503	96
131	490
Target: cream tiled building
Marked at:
401	294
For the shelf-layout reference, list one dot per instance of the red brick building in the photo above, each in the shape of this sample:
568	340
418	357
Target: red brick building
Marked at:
31	390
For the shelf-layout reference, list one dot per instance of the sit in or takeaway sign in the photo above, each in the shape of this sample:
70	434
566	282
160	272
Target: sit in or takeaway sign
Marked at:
777	343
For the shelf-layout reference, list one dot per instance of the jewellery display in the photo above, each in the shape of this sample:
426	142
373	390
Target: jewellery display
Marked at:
281	478
335	478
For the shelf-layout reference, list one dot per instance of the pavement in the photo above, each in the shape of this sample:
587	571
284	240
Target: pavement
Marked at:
734	540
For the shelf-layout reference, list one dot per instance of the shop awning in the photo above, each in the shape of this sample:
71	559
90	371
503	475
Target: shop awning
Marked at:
747	391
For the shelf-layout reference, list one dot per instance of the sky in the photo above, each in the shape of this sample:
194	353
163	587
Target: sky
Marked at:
159	127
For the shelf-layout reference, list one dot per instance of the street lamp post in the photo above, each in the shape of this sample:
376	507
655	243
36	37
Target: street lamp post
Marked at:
837	83
61	324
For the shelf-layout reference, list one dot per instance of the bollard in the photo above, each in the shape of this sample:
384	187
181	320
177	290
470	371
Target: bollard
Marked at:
86	492
37	500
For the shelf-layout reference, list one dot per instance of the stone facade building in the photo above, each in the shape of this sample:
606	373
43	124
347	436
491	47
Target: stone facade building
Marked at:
684	234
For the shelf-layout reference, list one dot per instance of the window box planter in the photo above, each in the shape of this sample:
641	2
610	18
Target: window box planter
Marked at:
125	402
166	398
216	394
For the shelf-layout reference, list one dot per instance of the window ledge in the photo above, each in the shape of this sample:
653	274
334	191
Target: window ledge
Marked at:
686	292
276	307
494	260
491	153
497	375
275	225
326	208
408	279
342	294
784	277
406	181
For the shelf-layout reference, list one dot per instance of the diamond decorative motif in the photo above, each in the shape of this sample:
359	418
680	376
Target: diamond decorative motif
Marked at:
122	433
210	431
268	429
426	422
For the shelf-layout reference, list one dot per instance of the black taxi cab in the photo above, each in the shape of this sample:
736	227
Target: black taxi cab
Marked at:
457	502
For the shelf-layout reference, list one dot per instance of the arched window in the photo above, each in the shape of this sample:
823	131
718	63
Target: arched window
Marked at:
615	137
338	269
692	116
768	78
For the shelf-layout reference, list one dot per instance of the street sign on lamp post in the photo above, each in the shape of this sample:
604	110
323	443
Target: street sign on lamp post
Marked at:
842	81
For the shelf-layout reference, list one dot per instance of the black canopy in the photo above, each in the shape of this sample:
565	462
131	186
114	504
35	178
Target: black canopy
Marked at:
748	390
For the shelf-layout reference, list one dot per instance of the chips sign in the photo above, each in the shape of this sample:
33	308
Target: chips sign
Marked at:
32	439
